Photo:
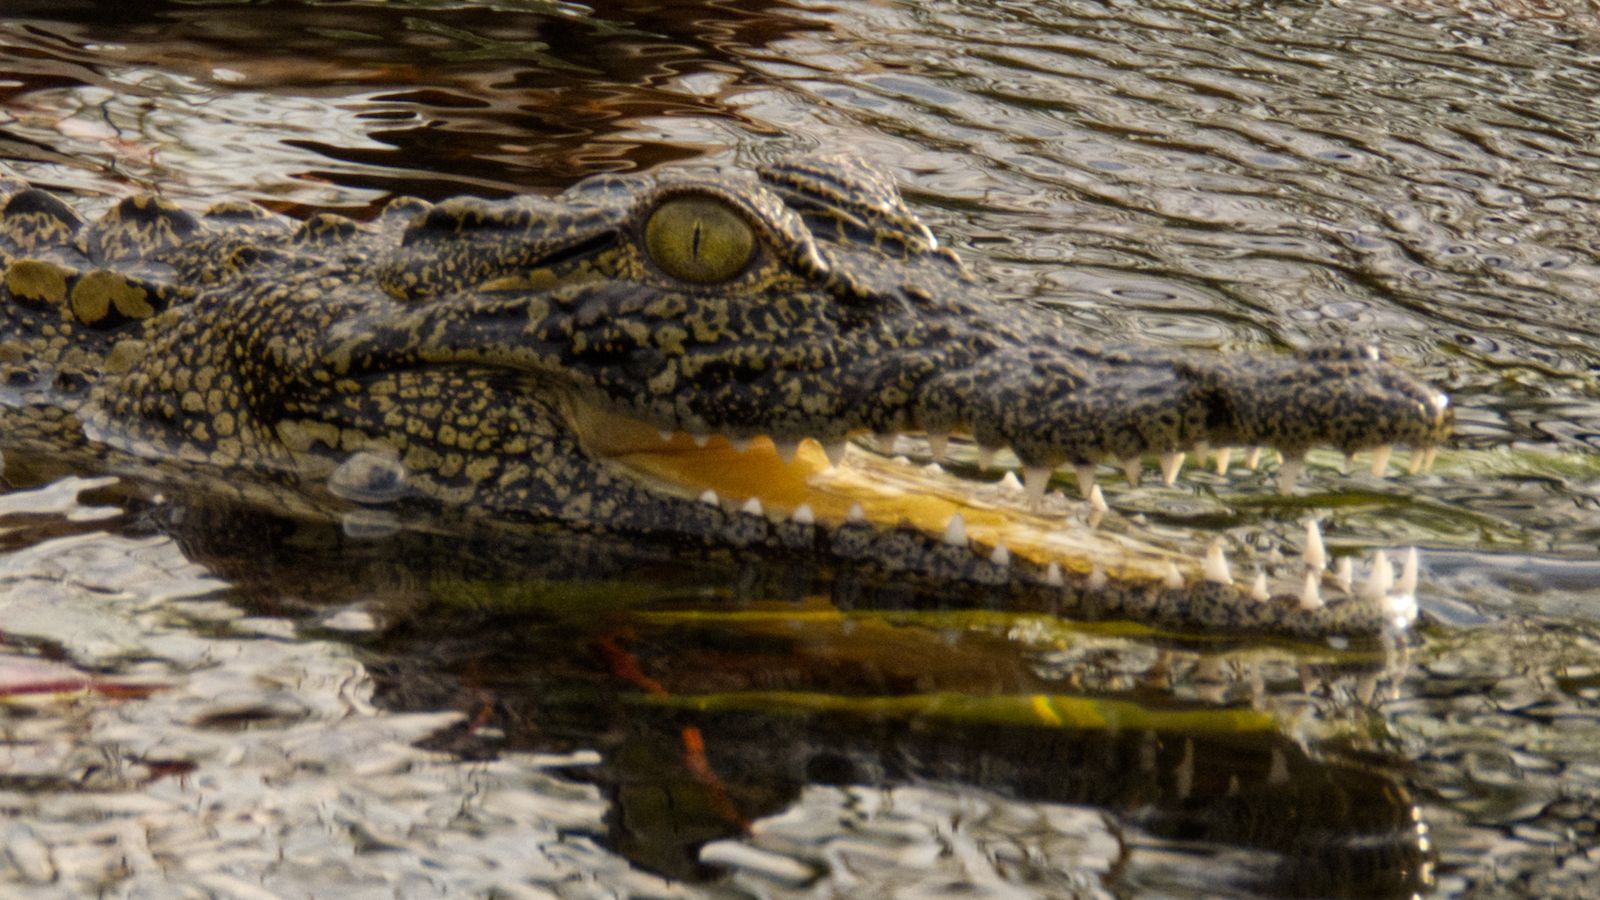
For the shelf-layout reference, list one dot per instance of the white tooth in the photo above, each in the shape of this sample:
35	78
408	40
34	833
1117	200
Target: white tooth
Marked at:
1171	465
938	443
709	498
786	450
1009	482
1428	456
1052	575
856	514
1408	574
753	507
804	515
955	534
1252	457
901	460
986	456
1097	500
1380	580
1310	596
835	451
700	440
1035	479
1380	459
1258	588
933	469
1345	464
666	435
1415	464
1216	567
1097	578
1174	578
1202	449
1316	554
1366	687
1289	472
1097	506
1001	556
1344	574
1086	483
1224	456
1130	468
739	445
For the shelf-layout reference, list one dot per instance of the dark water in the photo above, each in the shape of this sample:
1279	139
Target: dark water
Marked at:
1231	175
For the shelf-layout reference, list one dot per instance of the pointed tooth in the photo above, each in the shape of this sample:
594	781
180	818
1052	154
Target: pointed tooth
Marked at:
1366	687
1130	468
1174	578
1316	554
986	456
1252	457
1097	578
1407	584
1428	456
1086	483
1415	464
856	514
1097	506
1344	574
1380	459
804	515
1202	449
1224	456
1052	575
753	507
1009	482
1258	588
1097	500
1346	464
1216	566
1310	594
835	451
938	444
1289	472
1171	465
666	435
1035	479
739	445
1379	580
786	450
709	498
700	440
1001	556
933	469
955	534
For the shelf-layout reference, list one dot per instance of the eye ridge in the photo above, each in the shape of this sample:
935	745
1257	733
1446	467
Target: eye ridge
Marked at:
699	239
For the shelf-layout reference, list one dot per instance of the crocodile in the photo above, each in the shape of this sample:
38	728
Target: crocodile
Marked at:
695	354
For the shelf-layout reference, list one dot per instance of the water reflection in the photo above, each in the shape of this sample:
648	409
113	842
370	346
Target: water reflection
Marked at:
1209	174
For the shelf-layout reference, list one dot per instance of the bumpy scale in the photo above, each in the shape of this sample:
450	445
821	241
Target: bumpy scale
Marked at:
684	352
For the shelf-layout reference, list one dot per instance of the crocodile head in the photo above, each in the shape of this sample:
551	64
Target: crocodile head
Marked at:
676	352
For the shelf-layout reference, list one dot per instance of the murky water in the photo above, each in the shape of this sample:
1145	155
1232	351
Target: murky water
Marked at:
1214	174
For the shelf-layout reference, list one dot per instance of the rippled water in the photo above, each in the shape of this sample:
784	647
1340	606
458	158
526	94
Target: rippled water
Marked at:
1215	174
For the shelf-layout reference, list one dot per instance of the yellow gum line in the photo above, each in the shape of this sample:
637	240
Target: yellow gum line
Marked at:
888	493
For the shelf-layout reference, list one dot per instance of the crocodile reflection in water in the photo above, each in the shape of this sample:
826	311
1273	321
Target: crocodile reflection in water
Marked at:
641	350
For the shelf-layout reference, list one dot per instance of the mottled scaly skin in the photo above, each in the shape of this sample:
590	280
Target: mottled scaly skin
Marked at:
464	340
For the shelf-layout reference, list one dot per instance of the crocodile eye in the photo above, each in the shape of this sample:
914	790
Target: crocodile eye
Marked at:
699	239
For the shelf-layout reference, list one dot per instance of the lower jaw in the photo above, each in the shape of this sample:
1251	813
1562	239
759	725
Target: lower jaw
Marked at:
888	493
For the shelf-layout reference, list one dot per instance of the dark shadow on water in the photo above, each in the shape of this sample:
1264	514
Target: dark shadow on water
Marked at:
558	642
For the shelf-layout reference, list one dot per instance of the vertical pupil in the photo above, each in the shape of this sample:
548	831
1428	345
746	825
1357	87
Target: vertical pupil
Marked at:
694	248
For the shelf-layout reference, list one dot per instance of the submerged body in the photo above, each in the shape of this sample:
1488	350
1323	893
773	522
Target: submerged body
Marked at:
605	359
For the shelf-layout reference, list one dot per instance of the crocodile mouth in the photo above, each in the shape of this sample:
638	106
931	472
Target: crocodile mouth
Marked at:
834	485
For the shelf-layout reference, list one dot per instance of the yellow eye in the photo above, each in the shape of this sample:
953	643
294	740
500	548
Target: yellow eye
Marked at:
699	239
